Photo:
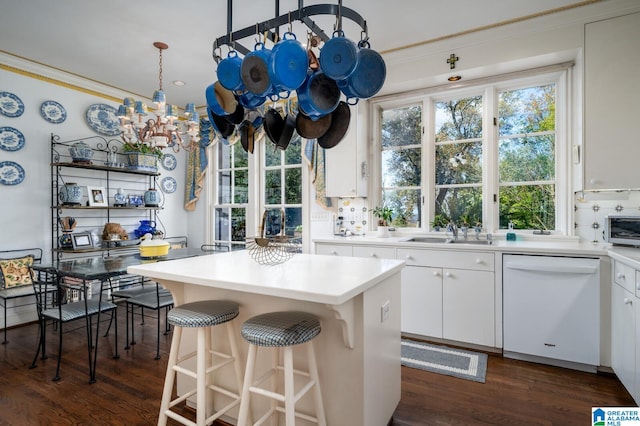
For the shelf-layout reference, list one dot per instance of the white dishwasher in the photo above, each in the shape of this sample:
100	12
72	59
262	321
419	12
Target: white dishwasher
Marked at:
551	309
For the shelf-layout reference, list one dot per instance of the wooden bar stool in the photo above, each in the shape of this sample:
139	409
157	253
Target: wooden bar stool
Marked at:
282	330
201	315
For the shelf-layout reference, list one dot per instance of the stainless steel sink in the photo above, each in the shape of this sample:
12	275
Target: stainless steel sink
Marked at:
440	240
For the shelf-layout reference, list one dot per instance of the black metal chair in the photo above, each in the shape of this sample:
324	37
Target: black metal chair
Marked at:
13	293
155	300
55	304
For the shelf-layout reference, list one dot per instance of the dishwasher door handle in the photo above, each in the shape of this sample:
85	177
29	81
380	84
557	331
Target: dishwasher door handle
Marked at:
541	268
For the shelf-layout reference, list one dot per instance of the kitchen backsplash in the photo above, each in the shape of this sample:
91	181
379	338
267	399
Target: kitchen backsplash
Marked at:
591	209
589	219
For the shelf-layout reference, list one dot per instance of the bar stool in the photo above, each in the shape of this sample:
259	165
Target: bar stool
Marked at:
201	315
282	330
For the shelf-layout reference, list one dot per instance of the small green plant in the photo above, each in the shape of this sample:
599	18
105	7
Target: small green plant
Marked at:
142	148
439	221
384	215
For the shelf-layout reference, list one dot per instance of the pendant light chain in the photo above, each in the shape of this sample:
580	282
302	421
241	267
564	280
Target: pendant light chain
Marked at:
160	72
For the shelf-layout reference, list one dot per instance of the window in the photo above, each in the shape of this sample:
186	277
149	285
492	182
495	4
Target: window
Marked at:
483	155
246	185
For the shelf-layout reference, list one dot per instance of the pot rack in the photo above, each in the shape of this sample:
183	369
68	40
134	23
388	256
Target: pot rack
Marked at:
270	28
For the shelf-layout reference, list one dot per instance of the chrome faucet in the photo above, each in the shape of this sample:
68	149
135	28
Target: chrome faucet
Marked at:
451	227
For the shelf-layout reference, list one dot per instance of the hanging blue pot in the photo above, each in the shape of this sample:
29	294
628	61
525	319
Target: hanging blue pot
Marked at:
288	65
338	56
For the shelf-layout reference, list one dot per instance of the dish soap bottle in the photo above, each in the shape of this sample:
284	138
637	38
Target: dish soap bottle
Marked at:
511	235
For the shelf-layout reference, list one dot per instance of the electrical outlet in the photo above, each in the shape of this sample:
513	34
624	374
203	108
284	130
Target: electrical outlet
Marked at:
385	310
320	217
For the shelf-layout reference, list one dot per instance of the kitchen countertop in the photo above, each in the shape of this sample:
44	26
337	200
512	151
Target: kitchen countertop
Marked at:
630	255
537	246
310	278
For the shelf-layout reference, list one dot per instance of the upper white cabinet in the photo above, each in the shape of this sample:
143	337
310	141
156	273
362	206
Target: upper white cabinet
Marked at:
612	90
346	163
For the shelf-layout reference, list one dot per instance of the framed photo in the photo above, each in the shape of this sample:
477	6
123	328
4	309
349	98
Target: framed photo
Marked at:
81	240
97	196
136	200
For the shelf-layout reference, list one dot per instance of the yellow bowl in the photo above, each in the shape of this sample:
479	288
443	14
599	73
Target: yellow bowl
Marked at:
154	251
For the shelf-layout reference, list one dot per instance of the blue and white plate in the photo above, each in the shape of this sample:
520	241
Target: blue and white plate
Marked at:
10	105
168	185
11	173
11	139
169	161
103	119
53	112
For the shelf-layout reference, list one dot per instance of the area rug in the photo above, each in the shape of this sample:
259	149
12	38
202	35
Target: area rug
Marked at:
441	359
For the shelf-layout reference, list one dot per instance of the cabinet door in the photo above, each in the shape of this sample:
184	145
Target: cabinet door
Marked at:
468	306
612	88
334	249
623	347
422	301
345	163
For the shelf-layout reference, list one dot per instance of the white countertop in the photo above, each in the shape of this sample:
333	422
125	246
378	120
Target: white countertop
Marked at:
629	255
312	278
538	246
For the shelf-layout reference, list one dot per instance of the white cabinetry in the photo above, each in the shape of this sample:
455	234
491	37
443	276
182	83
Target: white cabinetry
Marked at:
373	251
612	88
453	290
346	163
334	249
623	326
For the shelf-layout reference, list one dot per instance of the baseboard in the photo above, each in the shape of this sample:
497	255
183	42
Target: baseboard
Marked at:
550	361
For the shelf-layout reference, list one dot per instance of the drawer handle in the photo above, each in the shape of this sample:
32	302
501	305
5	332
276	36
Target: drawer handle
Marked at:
374	255
479	261
409	257
550	345
447	274
620	276
628	301
333	252
436	273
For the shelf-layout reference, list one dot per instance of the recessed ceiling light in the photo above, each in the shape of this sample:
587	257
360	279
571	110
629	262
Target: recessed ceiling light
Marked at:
455	78
179	82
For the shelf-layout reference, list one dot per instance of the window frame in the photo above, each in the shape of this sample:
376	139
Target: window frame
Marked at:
489	88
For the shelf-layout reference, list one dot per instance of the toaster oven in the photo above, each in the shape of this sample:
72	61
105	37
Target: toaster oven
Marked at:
623	229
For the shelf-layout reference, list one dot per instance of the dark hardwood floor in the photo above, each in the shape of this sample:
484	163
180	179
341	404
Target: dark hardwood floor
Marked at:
128	390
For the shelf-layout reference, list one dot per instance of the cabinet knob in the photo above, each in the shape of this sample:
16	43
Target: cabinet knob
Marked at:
628	301
447	274
333	252
638	286
436	273
374	255
620	276
409	257
479	261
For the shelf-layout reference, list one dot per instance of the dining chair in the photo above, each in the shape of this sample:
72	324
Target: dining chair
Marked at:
156	300
57	303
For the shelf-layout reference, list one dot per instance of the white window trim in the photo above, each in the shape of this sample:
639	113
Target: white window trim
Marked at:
559	74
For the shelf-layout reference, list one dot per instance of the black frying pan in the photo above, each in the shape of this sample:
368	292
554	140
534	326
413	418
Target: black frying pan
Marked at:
340	119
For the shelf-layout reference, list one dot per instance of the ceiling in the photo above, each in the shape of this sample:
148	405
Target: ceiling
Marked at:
111	42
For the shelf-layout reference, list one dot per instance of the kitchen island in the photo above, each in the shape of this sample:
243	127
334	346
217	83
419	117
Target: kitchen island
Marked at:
356	299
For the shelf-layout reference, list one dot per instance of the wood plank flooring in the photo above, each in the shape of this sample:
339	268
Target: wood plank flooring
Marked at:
128	390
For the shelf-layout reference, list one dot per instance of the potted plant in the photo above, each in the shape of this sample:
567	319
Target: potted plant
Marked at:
142	156
385	217
439	221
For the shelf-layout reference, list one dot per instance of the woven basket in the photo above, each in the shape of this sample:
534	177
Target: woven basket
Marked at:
273	250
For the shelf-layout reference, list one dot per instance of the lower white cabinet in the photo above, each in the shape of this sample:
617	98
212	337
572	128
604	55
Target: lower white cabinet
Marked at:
334	249
449	294
625	325
422	301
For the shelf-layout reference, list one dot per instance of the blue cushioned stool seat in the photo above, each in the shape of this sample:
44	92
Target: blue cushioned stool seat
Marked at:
204	313
279	329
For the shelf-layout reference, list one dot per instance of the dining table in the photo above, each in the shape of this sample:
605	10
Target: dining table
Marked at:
82	272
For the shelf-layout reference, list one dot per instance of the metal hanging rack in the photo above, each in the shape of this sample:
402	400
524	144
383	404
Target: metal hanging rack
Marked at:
270	27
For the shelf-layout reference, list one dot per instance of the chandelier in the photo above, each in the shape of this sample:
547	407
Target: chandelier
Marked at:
163	129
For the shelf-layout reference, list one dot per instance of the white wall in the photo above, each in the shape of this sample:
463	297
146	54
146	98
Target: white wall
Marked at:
25	209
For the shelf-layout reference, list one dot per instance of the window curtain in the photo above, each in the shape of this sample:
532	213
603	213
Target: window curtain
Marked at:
197	162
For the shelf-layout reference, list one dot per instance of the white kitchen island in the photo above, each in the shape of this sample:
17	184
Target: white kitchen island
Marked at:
356	299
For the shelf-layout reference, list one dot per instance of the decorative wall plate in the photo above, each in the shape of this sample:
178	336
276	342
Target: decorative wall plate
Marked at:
103	119
11	139
10	105
168	185
169	161
53	112
11	173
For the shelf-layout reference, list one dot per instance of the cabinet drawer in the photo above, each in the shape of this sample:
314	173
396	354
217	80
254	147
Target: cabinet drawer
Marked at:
372	251
624	275
479	261
334	249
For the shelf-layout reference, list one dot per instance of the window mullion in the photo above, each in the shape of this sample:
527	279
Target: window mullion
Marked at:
490	169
